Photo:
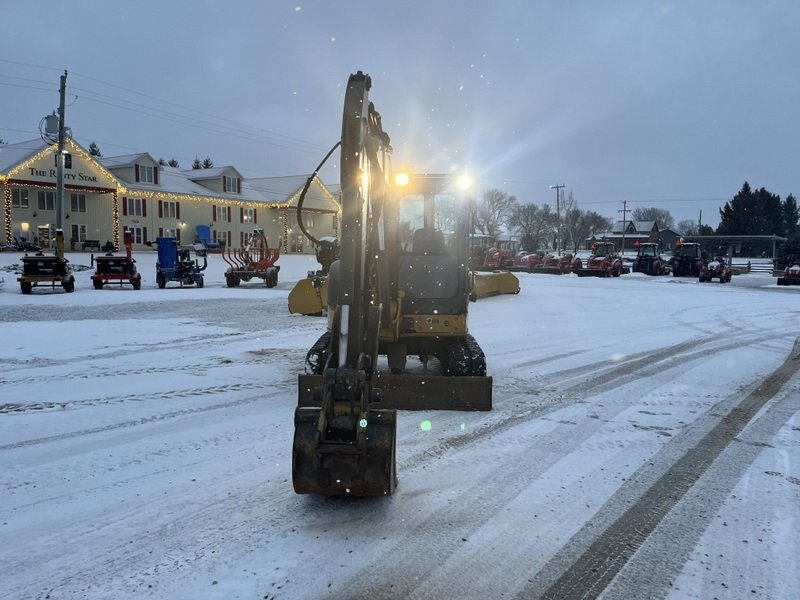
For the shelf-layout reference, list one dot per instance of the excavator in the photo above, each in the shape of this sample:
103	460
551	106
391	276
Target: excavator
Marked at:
398	292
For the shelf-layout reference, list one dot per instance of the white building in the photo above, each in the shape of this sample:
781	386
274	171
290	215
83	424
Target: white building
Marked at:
104	196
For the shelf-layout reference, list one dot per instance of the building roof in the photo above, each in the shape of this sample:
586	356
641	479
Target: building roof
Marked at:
637	226
173	180
288	188
13	154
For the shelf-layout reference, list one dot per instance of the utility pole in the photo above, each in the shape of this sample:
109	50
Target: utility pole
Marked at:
624	210
60	155
558	189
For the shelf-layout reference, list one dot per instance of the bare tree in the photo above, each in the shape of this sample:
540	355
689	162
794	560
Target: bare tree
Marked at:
492	211
534	225
687	227
660	215
581	225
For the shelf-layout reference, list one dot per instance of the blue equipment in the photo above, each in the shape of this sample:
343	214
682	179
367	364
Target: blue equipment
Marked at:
175	263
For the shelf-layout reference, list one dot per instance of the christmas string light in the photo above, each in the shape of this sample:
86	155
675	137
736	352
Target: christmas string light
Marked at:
115	211
8	215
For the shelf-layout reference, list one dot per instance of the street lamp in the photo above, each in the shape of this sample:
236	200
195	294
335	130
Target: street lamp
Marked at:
558	188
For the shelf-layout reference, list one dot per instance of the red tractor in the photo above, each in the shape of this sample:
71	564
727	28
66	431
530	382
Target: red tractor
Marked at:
604	262
557	265
526	261
718	268
501	255
648	259
791	274
479	245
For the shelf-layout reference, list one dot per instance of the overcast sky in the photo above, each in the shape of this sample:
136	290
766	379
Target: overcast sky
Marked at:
660	103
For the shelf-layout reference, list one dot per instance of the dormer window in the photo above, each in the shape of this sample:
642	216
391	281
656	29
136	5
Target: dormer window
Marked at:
232	185
146	174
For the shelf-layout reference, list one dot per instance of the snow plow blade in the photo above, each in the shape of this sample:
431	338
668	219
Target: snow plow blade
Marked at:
360	467
409	391
788	280
493	283
592	273
548	270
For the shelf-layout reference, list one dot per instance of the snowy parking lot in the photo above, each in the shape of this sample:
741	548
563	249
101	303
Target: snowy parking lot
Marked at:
644	443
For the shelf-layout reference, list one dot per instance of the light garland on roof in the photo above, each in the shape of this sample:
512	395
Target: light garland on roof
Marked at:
285	217
8	215
115	211
172	196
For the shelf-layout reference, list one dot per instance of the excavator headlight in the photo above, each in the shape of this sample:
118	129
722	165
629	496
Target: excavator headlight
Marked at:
401	179
464	182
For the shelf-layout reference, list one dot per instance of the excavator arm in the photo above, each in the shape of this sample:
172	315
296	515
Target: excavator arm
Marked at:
343	444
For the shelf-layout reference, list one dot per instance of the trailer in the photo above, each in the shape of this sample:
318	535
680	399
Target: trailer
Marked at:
255	261
47	269
112	268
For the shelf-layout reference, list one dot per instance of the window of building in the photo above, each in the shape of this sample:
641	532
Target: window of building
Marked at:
169	210
146	174
168	232
138	234
78	232
135	207
78	202
222	213
231	184
19	197
47	200
248	215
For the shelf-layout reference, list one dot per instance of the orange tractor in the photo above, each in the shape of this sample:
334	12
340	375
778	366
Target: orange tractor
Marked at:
605	261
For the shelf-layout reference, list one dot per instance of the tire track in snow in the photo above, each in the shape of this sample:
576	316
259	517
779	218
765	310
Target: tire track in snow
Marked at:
598	377
197	392
457	523
589	575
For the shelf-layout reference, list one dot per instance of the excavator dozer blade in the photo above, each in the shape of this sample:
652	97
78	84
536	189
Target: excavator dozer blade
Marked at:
409	391
365	466
494	283
308	296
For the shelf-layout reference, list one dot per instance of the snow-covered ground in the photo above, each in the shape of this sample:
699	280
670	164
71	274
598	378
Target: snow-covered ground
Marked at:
644	443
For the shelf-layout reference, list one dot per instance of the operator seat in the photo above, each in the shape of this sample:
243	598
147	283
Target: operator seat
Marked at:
427	241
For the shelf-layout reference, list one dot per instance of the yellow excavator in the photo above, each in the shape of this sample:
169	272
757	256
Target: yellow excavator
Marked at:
397	299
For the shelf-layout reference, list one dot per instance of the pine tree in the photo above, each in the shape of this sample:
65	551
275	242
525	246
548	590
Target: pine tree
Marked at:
791	217
208	163
197	164
94	150
173	163
162	162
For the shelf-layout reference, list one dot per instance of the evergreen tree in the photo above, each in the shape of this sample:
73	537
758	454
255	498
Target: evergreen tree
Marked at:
94	150
197	164
162	162
173	163
738	214
791	217
749	212
208	163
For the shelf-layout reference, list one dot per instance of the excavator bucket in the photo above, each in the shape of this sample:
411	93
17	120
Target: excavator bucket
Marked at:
360	466
493	283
